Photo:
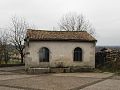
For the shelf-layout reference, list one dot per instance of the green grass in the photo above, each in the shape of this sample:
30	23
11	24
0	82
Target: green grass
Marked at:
110	69
11	62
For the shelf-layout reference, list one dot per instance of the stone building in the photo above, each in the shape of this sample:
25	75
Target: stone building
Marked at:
59	49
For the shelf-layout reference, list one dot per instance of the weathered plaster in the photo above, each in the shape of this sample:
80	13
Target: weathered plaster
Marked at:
60	52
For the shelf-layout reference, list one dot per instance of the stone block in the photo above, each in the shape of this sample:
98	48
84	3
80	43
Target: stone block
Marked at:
38	70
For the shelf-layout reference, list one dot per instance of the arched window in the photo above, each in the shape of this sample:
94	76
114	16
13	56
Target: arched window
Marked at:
44	55
77	54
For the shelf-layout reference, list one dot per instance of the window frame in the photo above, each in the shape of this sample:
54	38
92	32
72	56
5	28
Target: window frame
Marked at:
44	54
78	54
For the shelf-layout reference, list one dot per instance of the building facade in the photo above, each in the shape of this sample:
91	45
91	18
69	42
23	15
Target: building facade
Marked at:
59	49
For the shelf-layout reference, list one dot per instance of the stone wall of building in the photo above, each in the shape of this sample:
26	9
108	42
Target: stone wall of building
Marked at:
61	53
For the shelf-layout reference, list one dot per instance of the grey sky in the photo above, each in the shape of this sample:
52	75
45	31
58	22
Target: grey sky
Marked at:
103	14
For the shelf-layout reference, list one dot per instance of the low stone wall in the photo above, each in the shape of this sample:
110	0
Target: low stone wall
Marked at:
108	57
59	70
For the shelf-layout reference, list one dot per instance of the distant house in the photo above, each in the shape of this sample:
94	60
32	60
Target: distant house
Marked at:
59	49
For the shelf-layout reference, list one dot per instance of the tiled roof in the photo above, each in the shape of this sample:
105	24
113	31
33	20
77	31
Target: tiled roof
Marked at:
43	35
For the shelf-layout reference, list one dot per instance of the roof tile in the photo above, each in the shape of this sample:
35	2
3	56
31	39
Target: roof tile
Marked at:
59	35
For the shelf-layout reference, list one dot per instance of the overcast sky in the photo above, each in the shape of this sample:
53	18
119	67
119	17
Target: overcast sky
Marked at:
44	14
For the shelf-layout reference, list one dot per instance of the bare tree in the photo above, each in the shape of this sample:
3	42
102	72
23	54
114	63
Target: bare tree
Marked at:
17	34
74	22
4	52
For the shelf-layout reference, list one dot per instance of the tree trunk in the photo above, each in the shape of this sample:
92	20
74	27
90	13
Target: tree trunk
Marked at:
22	57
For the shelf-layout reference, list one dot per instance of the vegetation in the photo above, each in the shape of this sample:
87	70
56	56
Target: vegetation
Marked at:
11	62
75	22
17	34
4	52
108	60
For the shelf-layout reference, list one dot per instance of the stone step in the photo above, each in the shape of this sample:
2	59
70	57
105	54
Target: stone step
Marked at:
38	70
59	70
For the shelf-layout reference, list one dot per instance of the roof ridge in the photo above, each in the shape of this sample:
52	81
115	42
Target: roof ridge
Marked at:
53	30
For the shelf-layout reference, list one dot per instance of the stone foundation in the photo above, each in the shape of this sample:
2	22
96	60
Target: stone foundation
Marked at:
38	70
81	69
59	70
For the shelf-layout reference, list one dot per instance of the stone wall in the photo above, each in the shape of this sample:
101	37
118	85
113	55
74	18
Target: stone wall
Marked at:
108	58
61	54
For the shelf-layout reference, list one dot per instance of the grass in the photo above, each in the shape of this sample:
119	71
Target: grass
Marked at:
110	69
11	62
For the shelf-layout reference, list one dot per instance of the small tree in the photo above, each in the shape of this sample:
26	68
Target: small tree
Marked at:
4	52
74	22
17	34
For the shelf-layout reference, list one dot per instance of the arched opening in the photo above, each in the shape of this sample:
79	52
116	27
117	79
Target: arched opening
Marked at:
44	55
77	54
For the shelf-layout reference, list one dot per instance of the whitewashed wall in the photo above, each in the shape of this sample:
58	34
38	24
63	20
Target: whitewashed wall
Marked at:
60	52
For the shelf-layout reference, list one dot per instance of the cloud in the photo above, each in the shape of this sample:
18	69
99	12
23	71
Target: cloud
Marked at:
103	14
